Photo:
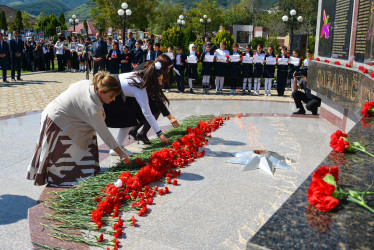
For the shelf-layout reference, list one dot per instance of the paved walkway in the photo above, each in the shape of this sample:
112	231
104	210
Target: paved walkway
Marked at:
19	131
38	89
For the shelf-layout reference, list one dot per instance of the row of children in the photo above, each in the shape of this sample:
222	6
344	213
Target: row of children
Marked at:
236	65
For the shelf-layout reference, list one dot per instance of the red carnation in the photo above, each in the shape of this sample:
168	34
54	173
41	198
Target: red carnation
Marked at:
198	53
166	190
365	71
361	67
180	59
227	56
254	53
162	49
348	65
317	59
310	59
127	57
339	142
288	55
215	51
337	63
133	221
277	58
101	238
320	195
372	74
368	109
327	61
175	182
322	171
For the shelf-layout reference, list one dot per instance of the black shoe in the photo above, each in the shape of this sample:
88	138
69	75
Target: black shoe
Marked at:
300	112
191	91
19	79
5	81
133	134
143	138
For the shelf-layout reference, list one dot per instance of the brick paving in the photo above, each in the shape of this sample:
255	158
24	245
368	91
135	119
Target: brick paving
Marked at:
38	89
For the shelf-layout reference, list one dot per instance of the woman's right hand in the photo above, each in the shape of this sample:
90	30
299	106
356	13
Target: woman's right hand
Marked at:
164	139
126	160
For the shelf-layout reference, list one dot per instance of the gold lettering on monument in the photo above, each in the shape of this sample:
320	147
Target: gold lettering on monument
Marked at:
338	84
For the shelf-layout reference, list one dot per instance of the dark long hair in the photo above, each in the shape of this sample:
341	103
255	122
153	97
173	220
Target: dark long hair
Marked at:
149	80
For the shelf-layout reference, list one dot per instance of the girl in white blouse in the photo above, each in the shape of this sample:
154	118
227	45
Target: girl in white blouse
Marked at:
220	67
125	112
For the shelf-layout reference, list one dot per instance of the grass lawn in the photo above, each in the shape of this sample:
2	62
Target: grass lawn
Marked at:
8	72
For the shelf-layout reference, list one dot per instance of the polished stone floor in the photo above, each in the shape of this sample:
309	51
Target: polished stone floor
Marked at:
216	205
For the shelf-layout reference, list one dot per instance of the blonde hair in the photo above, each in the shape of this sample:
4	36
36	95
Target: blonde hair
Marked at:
106	83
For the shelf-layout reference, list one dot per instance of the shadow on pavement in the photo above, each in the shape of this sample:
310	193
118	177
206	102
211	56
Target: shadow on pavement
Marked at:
14	208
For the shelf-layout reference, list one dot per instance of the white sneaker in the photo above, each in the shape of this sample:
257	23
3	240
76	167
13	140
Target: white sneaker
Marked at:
220	91
255	93
167	90
269	94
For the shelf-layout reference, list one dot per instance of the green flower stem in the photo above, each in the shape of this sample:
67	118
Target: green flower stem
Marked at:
361	203
363	150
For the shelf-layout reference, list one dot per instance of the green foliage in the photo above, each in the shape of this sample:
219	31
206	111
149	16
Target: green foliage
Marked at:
199	43
172	37
223	35
188	38
166	17
26	20
48	24
311	43
3	21
257	40
61	18
273	41
306	8
105	14
18	21
49	7
85	25
237	14
205	7
82	12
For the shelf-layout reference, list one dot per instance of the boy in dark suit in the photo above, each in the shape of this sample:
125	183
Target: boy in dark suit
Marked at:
157	50
179	64
137	54
16	50
4	50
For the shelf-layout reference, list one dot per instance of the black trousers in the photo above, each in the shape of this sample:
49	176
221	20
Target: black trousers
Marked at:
311	104
281	82
4	66
60	62
100	65
145	124
16	65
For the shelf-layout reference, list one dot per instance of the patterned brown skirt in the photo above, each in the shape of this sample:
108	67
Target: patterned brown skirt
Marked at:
59	161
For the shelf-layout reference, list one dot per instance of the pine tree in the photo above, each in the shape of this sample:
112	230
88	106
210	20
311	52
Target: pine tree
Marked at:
3	22
18	21
61	19
85	25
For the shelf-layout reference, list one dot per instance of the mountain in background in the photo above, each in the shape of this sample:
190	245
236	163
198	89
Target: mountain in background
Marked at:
82	12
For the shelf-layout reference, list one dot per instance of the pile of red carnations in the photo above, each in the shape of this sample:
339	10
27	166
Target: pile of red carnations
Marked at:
161	164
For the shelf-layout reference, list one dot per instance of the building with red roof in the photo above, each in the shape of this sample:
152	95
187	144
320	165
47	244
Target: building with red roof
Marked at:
91	30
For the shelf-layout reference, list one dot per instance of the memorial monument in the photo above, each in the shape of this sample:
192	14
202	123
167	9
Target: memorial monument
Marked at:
342	76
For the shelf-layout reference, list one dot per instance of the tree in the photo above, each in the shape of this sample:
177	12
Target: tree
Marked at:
205	7
166	17
26	20
47	23
172	37
85	25
105	14
3	21
223	35
18	24
237	14
61	19
256	41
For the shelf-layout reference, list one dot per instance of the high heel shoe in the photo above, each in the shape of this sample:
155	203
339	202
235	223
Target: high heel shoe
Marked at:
133	134
143	138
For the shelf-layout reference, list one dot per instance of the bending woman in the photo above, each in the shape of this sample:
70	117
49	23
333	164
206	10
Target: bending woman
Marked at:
67	150
126	111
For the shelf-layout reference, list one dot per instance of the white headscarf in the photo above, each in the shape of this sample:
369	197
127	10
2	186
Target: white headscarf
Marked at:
192	52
